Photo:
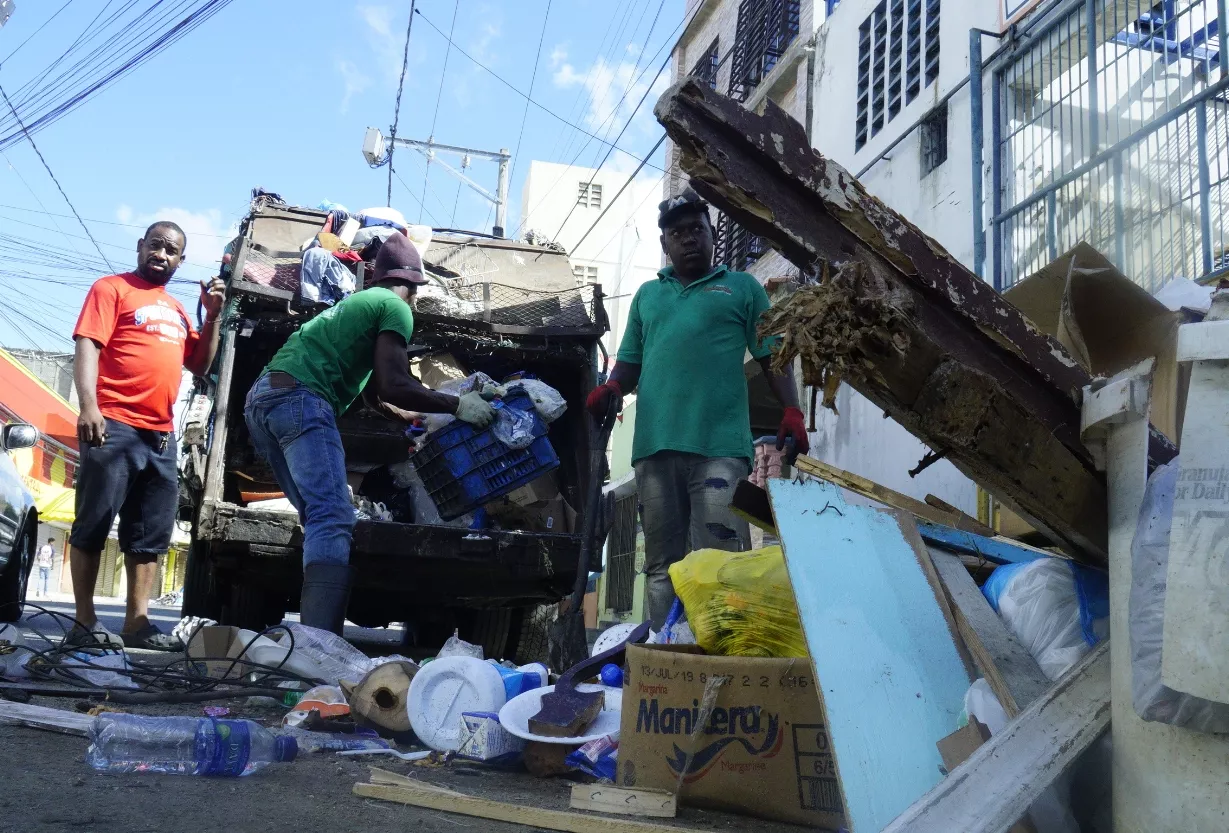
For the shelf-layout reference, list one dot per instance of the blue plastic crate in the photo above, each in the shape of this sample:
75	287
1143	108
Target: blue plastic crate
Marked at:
463	467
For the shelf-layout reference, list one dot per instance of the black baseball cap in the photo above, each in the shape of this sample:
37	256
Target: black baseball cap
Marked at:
686	202
398	260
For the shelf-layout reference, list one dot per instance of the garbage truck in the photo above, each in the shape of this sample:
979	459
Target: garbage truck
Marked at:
501	307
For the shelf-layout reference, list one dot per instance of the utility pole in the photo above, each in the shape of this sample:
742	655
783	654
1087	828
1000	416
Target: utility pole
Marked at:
376	150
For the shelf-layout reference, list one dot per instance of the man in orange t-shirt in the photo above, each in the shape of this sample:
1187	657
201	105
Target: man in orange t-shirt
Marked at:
133	341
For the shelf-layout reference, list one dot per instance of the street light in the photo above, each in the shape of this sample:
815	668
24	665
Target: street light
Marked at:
6	11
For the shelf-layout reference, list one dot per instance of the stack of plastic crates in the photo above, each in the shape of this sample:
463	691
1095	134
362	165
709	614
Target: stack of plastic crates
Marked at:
463	467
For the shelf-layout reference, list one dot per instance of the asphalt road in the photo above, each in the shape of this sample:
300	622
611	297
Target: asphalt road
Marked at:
47	787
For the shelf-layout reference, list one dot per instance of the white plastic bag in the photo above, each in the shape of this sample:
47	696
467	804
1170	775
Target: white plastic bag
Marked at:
1149	572
1051	812
1057	609
14	652
547	401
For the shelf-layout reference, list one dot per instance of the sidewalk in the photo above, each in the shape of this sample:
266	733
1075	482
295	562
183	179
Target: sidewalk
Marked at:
101	601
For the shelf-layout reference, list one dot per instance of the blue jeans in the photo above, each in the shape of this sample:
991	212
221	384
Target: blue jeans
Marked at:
684	506
44	575
295	431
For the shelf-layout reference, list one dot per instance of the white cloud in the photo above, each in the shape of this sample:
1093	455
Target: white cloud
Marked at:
355	82
207	232
382	25
613	90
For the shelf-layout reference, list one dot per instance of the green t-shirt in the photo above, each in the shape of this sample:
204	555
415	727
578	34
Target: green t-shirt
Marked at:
333	353
690	343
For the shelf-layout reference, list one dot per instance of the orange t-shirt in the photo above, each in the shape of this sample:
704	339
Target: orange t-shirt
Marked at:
145	335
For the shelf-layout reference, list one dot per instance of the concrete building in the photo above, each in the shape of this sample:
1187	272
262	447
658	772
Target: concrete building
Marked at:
621	252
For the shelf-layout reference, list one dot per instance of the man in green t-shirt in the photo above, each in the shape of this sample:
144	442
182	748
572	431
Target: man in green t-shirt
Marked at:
687	334
358	347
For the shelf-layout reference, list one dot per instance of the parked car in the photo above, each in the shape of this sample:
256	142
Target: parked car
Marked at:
18	523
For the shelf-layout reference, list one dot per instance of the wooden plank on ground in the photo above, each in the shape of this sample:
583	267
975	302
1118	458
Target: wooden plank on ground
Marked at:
602	798
885	659
997	785
433	798
1009	668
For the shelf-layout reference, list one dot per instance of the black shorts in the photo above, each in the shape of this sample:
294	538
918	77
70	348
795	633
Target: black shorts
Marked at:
135	475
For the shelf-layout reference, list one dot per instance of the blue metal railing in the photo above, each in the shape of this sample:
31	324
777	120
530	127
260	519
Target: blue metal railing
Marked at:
1107	127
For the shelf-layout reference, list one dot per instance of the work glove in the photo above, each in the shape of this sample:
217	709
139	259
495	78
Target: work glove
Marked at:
599	399
794	427
475	410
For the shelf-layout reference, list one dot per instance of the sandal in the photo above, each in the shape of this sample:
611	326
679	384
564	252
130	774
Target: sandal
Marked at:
149	638
97	638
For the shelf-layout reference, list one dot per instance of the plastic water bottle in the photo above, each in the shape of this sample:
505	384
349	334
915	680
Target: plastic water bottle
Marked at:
184	745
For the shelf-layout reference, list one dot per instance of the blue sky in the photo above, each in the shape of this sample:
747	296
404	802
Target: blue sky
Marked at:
278	94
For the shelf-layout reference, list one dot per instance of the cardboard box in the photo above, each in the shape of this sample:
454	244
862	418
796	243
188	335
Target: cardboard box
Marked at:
484	739
763	749
544	488
544	516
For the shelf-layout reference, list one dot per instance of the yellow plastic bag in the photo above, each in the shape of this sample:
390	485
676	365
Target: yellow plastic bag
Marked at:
740	603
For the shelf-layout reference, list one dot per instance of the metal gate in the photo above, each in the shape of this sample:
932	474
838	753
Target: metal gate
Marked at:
1110	124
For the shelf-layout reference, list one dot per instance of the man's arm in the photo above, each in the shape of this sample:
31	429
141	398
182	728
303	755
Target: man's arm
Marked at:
394	384
91	427
627	375
374	402
203	352
782	384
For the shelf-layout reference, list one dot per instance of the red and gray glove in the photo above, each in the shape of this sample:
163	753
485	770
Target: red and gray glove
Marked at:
599	399
793	425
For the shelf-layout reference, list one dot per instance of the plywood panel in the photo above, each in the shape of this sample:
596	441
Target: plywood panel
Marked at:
883	653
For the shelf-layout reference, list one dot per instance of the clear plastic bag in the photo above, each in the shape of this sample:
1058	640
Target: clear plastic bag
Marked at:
740	603
14	652
458	647
547	401
514	427
1149	571
1056	608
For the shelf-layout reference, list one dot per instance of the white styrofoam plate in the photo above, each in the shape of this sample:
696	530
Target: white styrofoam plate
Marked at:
515	715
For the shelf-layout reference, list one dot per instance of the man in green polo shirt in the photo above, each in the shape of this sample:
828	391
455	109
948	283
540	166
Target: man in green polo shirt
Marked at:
292	412
687	335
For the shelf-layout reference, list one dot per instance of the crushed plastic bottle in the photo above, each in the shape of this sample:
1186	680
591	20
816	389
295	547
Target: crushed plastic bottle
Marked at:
184	745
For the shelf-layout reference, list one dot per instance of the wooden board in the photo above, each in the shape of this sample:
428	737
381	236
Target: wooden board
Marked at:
890	497
885	659
602	798
1009	668
960	745
998	550
434	798
997	785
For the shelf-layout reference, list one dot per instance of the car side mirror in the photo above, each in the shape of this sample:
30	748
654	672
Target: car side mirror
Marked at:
19	435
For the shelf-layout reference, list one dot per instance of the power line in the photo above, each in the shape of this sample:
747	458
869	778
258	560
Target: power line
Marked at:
405	62
51	174
648	88
510	86
456	5
421	205
639	168
35	32
103	222
609	118
516	154
129	45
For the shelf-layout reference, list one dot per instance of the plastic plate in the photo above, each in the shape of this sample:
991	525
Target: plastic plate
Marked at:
515	715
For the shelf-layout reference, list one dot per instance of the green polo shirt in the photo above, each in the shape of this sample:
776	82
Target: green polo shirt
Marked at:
333	354
690	343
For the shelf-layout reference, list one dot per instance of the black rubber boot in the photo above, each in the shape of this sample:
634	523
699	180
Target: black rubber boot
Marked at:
326	594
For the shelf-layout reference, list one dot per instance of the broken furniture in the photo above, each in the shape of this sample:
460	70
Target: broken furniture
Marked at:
898	318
